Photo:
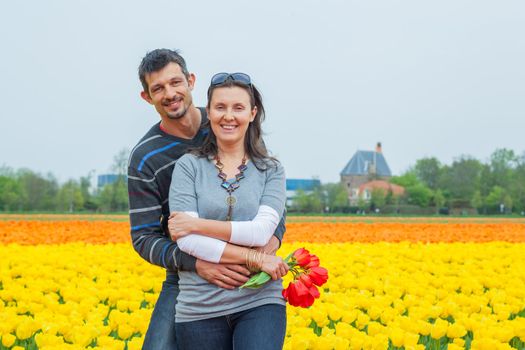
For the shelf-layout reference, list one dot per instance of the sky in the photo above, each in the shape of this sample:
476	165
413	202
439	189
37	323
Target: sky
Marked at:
425	78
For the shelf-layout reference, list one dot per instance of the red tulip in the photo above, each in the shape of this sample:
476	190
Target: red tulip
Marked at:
305	279
314	291
318	275
314	261
302	257
297	294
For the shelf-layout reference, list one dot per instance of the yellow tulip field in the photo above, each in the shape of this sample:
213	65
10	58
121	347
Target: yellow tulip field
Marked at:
414	284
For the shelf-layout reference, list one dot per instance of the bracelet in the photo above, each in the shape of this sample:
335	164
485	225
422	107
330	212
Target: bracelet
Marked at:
254	260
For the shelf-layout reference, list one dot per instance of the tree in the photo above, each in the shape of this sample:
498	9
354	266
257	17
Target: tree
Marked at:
114	197
378	198
11	194
41	192
495	198
335	197
461	179
416	192
307	202
477	200
419	195
439	200
85	185
120	162
427	170
502	163
70	197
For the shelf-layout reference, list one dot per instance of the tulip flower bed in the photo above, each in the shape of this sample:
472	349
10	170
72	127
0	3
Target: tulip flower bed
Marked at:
460	286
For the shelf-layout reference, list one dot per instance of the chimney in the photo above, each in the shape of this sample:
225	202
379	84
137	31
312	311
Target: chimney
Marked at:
378	147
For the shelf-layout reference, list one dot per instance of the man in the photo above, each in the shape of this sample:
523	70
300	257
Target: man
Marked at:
167	85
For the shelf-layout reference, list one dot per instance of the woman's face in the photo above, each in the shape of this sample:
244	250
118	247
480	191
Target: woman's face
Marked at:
230	114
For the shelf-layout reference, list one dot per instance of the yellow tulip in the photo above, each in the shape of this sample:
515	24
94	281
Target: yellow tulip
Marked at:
439	329
456	330
397	337
8	340
125	331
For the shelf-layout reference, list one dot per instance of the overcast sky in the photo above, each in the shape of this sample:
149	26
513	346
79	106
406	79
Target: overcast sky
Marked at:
441	78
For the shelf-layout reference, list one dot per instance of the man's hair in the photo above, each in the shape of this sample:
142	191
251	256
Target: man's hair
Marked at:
156	60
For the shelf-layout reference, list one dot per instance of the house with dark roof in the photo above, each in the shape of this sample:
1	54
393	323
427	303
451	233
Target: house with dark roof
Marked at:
363	167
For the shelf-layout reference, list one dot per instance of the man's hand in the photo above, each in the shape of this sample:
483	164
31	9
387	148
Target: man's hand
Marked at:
271	247
227	276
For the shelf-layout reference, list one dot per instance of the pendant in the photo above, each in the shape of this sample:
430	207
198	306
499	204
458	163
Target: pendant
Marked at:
231	200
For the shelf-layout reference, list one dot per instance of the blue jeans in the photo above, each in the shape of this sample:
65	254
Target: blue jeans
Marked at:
261	328
161	329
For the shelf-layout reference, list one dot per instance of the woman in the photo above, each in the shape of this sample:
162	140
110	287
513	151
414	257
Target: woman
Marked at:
230	190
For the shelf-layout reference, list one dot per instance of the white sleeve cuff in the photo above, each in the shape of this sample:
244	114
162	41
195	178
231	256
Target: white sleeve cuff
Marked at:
202	247
257	232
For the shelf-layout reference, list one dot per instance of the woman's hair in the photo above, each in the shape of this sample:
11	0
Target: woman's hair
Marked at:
253	142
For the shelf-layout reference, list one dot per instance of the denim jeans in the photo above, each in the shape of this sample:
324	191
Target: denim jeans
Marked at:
161	329
260	328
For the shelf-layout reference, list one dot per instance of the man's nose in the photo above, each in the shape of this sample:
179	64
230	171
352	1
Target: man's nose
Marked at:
170	92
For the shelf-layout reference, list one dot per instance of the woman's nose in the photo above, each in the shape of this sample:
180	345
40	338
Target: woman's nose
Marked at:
228	115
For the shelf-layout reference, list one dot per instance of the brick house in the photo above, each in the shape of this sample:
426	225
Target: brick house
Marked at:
363	167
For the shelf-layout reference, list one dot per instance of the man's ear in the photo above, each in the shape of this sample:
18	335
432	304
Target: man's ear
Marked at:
191	80
146	97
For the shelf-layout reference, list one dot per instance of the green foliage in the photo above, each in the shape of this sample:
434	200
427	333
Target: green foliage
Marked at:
307	202
25	190
378	198
428	170
419	194
439	199
12	195
335	197
70	197
466	183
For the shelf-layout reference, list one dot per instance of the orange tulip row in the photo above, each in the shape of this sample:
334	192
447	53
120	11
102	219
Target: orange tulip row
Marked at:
101	232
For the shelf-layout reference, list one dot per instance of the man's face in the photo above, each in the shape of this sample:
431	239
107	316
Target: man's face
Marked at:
169	91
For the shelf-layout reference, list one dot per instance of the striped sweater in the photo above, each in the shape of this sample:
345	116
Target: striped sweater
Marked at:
150	169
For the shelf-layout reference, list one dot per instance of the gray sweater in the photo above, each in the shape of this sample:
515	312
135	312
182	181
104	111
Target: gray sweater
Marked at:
196	187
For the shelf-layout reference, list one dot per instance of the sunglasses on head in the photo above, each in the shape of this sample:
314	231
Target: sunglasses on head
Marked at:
221	78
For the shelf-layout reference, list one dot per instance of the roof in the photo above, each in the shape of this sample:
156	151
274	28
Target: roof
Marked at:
362	160
384	185
302	184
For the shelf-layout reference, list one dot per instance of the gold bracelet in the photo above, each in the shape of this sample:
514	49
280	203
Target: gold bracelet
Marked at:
254	260
247	263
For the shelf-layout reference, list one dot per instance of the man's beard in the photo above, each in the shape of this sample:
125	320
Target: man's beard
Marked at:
179	114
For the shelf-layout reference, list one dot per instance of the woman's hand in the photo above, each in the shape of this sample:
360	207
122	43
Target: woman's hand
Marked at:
181	224
274	266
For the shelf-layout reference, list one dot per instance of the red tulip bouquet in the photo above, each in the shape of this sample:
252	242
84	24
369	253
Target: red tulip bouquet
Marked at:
307	276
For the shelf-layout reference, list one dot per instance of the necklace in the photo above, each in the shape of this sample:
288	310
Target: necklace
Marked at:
230	187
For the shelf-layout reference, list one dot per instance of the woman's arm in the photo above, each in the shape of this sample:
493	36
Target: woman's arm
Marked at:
214	250
183	197
255	232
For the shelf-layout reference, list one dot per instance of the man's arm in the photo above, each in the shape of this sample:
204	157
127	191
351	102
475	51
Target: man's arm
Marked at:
147	233
154	246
